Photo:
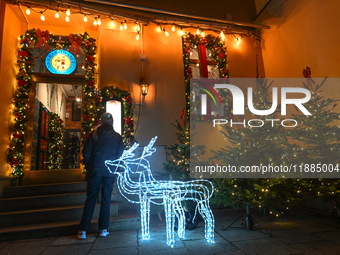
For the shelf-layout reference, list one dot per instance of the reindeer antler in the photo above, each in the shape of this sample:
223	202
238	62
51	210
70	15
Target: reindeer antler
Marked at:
129	153
148	150
152	142
117	162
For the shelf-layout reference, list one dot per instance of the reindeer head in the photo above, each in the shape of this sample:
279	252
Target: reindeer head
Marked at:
140	164
127	161
120	162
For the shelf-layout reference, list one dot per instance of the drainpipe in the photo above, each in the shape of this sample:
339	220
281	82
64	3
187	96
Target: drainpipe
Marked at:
23	14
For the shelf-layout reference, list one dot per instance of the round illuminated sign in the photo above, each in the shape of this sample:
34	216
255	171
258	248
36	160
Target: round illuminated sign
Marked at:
60	62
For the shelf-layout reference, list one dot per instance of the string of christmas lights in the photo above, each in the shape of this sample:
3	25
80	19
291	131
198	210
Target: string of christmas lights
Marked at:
123	25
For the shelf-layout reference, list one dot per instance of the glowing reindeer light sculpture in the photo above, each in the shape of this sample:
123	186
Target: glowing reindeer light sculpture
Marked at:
170	193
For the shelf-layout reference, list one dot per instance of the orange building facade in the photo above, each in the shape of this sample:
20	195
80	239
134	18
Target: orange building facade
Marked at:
291	39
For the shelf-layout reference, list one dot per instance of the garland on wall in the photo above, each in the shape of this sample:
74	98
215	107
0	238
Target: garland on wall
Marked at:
218	51
55	142
111	92
178	166
97	108
36	38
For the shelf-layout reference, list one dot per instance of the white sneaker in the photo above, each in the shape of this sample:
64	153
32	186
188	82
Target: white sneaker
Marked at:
81	235
103	233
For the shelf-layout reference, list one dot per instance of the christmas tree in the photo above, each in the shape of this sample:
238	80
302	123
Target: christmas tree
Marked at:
55	142
319	137
178	167
267	145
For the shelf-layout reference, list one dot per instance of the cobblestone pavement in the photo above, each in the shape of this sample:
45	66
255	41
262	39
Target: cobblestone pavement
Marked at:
296	232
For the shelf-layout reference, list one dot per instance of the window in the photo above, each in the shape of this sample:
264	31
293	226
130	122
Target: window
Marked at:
76	110
198	65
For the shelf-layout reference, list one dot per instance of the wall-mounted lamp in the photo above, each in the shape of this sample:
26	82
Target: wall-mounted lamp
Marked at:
144	86
144	89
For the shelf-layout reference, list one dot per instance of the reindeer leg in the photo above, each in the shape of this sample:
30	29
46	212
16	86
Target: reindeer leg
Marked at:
172	211
167	219
209	221
181	219
147	226
143	214
212	224
168	207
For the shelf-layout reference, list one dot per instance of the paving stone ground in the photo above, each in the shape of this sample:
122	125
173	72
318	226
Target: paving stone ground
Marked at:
295	233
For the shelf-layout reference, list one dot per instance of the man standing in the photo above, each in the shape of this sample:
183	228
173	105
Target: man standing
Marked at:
102	144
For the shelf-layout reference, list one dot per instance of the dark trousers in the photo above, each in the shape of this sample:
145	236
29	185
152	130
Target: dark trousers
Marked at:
93	186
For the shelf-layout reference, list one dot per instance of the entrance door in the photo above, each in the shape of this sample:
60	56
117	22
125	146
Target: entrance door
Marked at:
56	126
42	142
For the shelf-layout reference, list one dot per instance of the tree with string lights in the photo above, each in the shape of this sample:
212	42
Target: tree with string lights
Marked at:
319	137
56	144
255	146
178	167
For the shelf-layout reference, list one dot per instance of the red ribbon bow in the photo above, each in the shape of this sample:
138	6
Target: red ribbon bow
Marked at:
203	40
182	117
76	42
306	73
43	37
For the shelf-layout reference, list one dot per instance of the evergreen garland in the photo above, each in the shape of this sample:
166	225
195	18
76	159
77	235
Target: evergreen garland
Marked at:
24	82
178	166
219	53
110	93
55	142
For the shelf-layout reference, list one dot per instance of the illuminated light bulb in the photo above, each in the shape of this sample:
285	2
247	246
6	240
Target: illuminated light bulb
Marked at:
28	12
203	34
121	26
95	21
181	32
166	33
137	36
85	18
198	31
68	12
57	14
159	28
173	28
222	34
67	18
238	40
42	17
99	21
125	25
112	24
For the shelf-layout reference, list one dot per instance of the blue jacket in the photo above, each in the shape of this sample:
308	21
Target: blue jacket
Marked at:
102	144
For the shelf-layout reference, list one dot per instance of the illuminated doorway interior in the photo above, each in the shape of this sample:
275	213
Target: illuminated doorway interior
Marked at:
115	108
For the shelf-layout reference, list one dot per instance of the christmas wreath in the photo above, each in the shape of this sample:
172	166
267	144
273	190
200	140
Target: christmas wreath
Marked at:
218	52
